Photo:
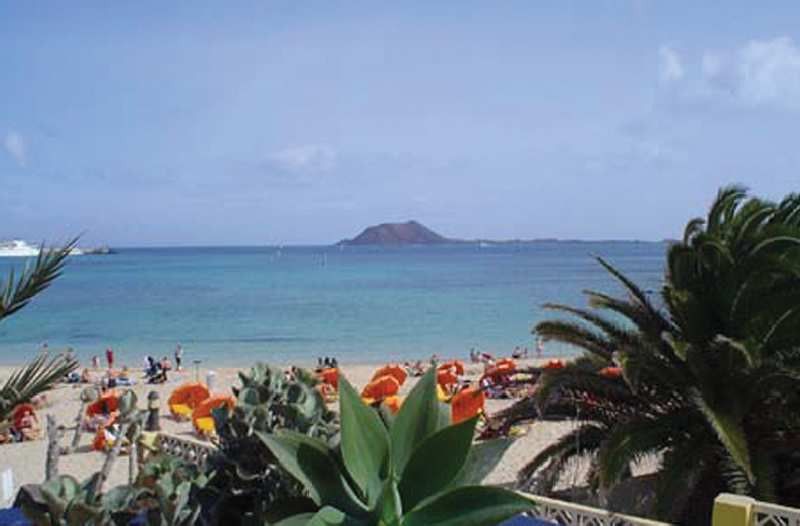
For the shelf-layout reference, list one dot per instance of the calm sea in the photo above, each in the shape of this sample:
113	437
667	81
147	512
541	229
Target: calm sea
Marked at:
239	305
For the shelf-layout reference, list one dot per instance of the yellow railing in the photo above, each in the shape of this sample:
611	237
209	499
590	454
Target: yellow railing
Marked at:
738	510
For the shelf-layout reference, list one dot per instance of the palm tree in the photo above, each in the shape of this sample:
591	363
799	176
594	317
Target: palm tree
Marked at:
40	374
709	380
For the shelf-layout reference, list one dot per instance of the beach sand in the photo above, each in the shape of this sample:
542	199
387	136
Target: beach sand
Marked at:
27	459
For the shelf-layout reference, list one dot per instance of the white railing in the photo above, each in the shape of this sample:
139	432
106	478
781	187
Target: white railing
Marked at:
766	514
189	450
571	514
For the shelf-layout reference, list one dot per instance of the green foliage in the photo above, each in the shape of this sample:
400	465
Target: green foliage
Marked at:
710	381
247	476
62	501
175	486
39	376
19	291
165	494
414	470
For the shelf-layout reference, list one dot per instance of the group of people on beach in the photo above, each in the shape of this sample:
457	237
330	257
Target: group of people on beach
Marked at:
476	356
326	363
155	371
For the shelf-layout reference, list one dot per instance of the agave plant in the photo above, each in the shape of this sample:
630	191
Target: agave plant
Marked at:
412	469
247	476
708	382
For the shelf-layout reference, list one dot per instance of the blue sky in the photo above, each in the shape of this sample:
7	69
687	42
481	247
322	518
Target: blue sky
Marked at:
301	122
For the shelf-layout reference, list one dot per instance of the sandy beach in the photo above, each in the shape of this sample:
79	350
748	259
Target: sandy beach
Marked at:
27	459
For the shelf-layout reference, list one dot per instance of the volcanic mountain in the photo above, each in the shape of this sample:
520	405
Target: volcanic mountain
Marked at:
409	233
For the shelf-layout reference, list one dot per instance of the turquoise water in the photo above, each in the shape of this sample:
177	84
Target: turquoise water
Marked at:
238	305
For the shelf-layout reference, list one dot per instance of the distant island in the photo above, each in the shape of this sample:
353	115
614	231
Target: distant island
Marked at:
408	233
415	233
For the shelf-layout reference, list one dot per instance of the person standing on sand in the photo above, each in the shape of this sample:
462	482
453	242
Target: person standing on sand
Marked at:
110	358
178	357
96	362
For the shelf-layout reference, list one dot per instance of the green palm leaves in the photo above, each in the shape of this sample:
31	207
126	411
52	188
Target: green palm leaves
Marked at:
47	266
44	371
417	470
710	379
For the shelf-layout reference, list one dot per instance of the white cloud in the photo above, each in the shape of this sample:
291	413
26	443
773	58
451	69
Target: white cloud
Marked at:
15	146
306	158
758	73
769	72
671	65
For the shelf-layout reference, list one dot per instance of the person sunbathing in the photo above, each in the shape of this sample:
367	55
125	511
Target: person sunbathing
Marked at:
123	378
27	428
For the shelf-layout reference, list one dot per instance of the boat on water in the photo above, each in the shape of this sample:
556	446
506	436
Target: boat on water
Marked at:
21	249
17	248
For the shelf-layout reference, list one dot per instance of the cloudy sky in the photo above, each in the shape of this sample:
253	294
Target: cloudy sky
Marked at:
301	122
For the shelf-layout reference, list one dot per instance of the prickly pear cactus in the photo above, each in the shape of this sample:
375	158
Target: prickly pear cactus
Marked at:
246	473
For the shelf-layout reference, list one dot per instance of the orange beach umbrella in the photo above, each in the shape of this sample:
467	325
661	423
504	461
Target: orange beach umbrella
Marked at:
330	376
106	404
380	388
186	397
393	370
457	366
466	404
201	416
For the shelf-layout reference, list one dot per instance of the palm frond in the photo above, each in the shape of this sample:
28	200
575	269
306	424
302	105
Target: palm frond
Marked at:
48	266
729	432
582	441
40	375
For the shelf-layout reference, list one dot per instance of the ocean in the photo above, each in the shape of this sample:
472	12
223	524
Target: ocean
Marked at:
236	306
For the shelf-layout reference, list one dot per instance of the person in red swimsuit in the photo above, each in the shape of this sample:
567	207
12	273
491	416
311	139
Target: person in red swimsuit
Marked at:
110	358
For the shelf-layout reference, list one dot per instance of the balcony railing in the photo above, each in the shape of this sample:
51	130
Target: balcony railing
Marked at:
571	514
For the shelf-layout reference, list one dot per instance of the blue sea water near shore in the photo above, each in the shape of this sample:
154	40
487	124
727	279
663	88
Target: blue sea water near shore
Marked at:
361	304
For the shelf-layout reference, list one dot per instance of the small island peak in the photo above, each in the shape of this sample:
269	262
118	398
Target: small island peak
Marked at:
411	232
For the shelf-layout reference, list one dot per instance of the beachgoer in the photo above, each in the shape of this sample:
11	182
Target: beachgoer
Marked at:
86	377
178	357
539	347
166	364
110	357
517	353
96	362
150	366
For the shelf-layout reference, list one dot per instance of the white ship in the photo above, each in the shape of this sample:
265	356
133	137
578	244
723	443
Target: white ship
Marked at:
21	249
17	248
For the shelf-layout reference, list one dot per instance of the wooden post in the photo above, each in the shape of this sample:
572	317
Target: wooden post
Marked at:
111	457
153	404
133	457
76	438
53	449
